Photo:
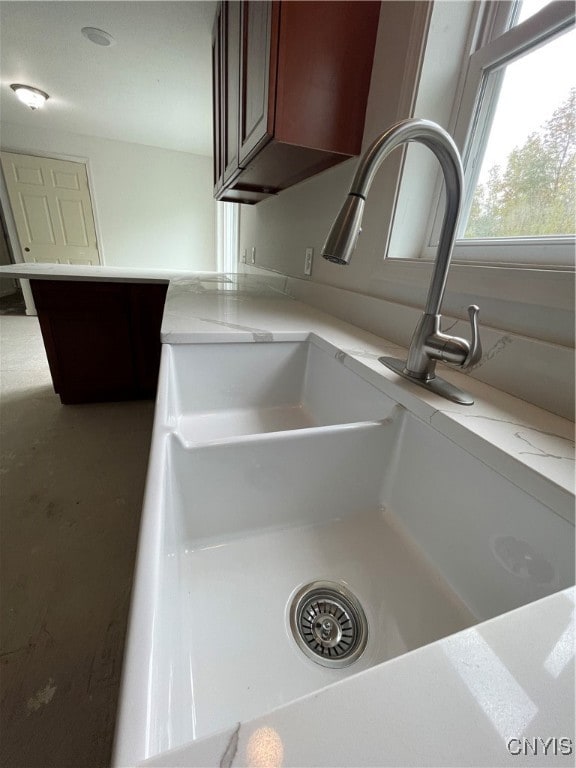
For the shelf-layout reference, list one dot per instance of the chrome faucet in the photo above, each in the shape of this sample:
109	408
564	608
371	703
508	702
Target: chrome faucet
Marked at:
428	344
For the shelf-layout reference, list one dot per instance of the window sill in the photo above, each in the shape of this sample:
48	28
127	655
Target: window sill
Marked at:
548	253
533	301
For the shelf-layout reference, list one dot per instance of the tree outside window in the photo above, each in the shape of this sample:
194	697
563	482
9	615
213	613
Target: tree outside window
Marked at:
534	193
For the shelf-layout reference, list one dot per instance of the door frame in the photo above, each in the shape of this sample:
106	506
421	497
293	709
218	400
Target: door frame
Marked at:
10	224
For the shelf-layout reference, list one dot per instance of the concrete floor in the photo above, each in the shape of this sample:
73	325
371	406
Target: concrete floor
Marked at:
71	487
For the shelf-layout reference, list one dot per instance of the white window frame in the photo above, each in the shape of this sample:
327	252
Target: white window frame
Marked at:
495	44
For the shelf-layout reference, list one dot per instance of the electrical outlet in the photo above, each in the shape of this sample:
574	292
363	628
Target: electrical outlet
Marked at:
308	261
243	256
253	256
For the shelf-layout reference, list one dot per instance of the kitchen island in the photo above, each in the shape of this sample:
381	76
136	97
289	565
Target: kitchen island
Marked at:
100	327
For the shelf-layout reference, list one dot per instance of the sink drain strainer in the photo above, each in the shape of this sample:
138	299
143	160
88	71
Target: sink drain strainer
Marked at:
328	623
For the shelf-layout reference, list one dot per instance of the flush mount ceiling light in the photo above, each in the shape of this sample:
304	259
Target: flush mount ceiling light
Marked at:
98	36
32	97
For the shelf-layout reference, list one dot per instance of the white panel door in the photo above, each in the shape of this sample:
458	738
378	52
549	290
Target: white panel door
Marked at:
52	209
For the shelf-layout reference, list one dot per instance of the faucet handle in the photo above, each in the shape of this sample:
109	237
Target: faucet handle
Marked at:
475	352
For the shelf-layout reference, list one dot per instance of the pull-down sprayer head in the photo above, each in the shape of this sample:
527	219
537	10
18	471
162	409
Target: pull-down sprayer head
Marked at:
343	236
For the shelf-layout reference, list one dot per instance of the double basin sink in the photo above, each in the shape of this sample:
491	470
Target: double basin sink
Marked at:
274	465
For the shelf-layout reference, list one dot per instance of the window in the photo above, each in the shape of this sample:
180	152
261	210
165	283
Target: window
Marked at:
516	122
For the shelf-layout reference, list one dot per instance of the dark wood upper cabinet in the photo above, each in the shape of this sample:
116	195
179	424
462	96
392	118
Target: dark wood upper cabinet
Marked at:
291	83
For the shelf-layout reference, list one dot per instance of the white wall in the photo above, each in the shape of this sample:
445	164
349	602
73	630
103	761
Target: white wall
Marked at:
153	207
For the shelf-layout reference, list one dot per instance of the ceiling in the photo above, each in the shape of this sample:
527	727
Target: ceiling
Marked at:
152	87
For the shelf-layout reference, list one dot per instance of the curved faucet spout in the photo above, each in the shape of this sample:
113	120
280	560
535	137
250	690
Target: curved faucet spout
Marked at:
341	241
428	343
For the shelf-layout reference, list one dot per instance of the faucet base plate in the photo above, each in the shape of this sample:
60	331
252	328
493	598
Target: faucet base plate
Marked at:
437	385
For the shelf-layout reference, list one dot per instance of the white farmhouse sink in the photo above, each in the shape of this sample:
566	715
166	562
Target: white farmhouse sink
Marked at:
218	391
428	538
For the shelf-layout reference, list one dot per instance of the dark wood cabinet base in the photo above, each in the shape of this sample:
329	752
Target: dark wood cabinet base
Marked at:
102	339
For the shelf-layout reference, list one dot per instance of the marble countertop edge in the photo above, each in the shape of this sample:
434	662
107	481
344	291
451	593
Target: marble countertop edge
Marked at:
95	273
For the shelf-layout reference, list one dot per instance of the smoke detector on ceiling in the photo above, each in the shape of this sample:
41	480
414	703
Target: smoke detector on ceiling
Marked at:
98	36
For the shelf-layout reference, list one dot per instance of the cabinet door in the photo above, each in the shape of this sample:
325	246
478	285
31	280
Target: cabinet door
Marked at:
258	75
217	100
231	86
